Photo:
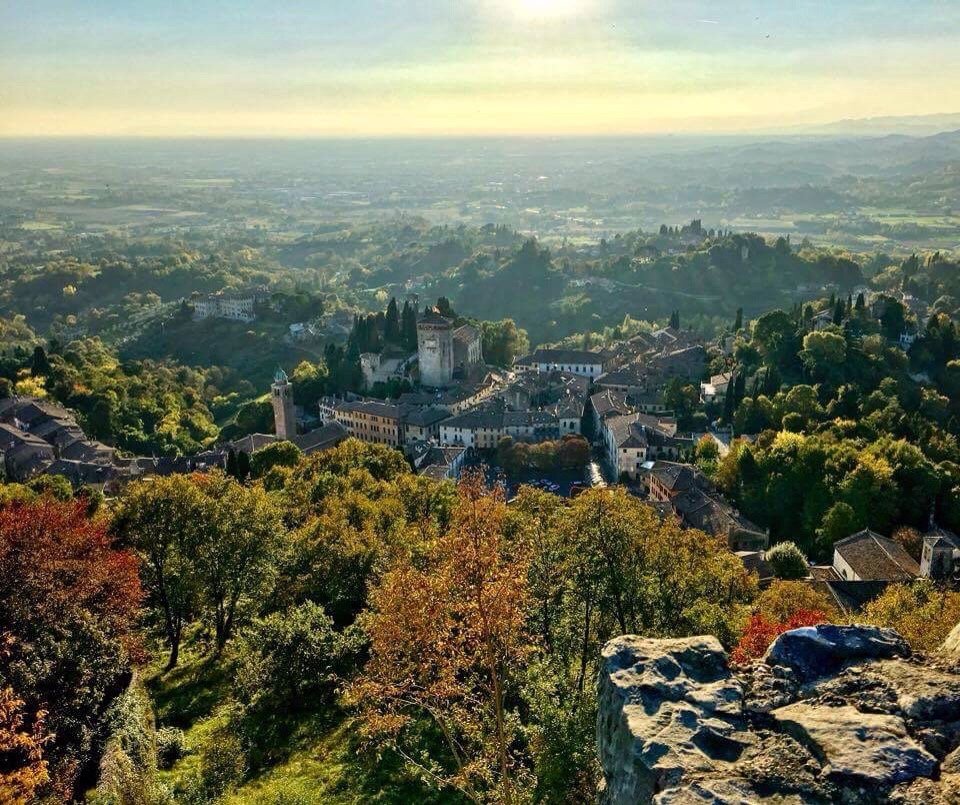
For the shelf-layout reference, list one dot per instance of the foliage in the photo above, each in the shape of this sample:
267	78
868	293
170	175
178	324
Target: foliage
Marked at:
923	614
68	602
569	452
279	454
129	763
760	633
209	544
171	746
783	599
787	560
446	640
24	769
288	663
503	341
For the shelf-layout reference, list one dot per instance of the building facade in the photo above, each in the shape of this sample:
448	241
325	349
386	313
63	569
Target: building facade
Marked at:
435	349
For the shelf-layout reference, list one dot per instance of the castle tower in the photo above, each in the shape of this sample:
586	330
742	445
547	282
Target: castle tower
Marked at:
435	349
284	416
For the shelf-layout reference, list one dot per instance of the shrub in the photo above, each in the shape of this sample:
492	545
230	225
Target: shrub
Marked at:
919	611
787	561
171	746
760	633
288	663
784	599
222	763
294	657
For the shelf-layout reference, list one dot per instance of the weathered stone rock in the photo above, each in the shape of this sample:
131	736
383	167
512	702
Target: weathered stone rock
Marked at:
816	651
723	792
768	688
676	726
923	693
667	709
952	644
871	748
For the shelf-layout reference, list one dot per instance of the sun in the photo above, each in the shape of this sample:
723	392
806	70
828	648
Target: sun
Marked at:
547	9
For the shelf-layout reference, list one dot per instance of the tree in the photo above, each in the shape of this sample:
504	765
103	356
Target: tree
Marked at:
775	336
738	322
408	327
682	398
391	329
39	364
236	557
24	771
784	599
446	636
243	466
444	308
279	454
165	520
68	606
824	355
840	521
893	319
910	540
919	611
788	561
288	663
503	341
231	469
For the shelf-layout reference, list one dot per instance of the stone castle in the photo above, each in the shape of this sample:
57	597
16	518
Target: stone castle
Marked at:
443	349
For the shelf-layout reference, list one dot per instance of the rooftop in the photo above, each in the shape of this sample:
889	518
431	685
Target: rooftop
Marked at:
876	558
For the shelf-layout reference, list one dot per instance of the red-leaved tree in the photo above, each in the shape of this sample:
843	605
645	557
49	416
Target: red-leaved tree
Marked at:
761	632
68	605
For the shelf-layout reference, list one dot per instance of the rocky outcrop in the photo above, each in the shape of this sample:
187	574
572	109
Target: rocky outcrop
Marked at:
816	651
831	714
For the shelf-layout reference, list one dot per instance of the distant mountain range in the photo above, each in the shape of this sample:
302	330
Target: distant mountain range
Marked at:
915	125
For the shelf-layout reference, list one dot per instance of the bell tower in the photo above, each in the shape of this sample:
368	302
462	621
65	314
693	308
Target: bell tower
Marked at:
284	415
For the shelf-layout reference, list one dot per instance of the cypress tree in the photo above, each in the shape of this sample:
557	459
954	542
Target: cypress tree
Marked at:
391	329
232	463
243	466
408	326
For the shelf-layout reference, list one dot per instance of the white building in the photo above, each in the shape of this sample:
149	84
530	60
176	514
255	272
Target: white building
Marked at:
575	361
715	389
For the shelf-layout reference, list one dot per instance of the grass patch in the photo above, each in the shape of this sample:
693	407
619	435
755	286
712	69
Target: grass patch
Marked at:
320	760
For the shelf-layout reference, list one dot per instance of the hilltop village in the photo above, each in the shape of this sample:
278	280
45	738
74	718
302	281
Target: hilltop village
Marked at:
609	414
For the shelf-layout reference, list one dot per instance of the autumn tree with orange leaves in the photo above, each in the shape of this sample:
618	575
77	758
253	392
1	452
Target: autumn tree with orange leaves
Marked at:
68	604
447	636
23	771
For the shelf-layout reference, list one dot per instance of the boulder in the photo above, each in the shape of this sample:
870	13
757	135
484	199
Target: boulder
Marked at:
832	714
668	709
923	693
869	749
816	651
952	644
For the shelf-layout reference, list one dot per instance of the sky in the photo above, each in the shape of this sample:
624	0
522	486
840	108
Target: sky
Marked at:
370	68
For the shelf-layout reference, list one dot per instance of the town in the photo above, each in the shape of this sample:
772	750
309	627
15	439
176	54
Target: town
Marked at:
609	406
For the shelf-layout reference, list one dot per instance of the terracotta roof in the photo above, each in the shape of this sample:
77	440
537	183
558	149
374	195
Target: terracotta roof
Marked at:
432	316
323	438
609	402
568	356
675	477
876	558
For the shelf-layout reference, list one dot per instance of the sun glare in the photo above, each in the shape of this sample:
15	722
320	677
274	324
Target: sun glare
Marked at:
546	9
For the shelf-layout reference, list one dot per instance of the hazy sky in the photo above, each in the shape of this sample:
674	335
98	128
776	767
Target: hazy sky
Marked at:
381	67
